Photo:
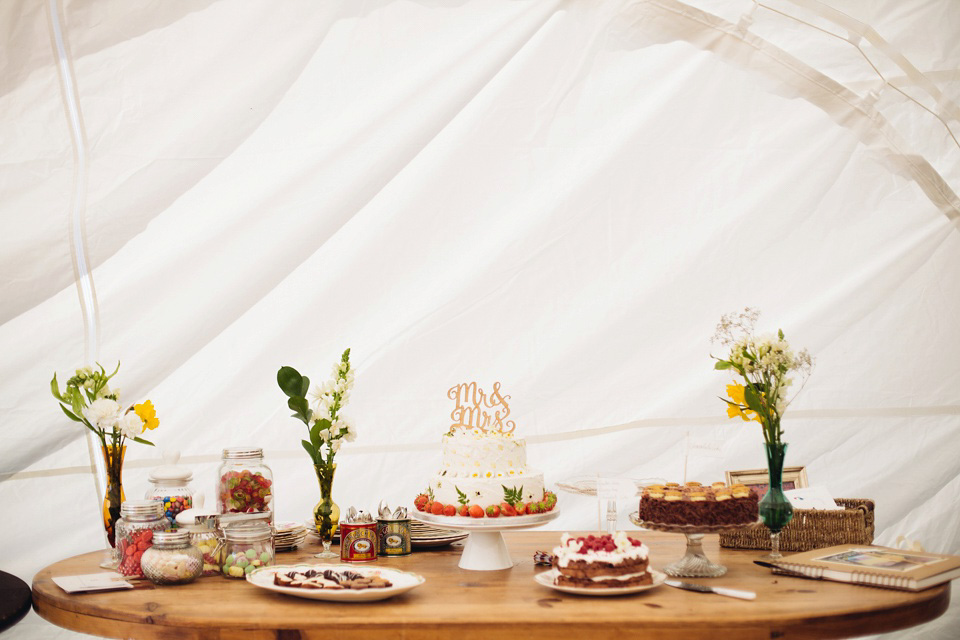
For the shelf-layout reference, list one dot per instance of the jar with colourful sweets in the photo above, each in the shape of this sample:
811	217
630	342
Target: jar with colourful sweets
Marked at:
245	482
172	559
139	520
202	527
247	547
170	485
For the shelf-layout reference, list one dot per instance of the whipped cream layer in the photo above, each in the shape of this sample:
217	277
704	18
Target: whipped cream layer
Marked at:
570	547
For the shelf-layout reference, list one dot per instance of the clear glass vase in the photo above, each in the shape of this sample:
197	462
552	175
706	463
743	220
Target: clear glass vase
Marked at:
326	514
775	509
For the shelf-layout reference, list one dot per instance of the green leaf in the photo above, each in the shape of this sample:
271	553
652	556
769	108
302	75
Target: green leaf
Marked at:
290	381
304	385
721	365
55	389
310	449
461	496
300	409
142	441
753	399
70	414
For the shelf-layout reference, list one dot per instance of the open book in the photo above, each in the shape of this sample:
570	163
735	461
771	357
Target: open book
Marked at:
873	566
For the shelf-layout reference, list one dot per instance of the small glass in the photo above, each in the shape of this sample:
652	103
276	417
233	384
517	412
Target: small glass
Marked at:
245	482
172	559
139	520
245	548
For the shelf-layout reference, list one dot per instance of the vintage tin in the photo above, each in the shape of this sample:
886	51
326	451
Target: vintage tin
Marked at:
358	541
393	537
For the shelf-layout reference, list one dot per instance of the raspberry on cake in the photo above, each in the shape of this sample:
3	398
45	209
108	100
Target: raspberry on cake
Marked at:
599	562
697	505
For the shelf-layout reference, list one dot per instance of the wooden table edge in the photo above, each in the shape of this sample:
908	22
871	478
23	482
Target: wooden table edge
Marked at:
835	626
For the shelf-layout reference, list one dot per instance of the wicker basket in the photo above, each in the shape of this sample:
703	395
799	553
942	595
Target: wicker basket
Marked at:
812	529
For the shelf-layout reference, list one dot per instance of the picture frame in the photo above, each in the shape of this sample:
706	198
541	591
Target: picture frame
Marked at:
756	479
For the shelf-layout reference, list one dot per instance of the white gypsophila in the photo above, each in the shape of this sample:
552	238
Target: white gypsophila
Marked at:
131	425
104	413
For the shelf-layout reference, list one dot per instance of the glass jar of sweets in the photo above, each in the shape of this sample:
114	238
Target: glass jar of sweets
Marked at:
246	547
202	527
245	483
170	485
139	520
172	559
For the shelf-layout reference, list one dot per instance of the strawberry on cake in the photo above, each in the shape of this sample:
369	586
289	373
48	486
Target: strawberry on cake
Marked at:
599	562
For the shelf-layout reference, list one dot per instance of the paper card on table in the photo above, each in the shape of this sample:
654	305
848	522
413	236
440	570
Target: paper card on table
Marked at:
812	498
92	582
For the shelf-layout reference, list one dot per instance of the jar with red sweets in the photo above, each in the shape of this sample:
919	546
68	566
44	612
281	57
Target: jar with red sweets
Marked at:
245	483
139	519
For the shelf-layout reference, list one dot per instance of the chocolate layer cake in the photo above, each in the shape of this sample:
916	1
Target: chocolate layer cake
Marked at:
598	562
697	505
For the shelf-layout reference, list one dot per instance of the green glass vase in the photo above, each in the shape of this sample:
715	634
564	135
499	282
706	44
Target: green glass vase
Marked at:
775	509
326	514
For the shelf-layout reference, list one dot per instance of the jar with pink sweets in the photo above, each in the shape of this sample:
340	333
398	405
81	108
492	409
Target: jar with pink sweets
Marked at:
245	482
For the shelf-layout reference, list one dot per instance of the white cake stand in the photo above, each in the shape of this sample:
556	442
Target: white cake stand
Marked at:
486	549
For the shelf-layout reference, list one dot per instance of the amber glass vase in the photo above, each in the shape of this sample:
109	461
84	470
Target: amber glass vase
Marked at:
113	496
326	515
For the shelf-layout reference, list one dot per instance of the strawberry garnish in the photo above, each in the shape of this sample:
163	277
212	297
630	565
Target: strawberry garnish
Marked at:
475	511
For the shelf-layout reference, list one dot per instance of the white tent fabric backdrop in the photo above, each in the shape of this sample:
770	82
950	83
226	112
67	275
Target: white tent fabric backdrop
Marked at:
563	196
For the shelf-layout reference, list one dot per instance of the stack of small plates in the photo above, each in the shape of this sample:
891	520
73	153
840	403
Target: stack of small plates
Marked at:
423	536
289	536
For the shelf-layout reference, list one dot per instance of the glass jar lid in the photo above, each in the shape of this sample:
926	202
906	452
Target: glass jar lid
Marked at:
252	532
171	538
242	453
141	509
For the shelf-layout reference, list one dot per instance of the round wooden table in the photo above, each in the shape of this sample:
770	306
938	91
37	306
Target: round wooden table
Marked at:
491	604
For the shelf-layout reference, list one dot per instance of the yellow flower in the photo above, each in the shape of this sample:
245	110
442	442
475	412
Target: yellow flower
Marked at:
736	393
148	414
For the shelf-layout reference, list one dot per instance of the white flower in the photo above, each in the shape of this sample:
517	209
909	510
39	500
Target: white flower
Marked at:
131	425
104	413
324	435
321	411
335	445
351	434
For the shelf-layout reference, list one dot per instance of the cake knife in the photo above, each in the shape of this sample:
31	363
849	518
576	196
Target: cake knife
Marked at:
720	591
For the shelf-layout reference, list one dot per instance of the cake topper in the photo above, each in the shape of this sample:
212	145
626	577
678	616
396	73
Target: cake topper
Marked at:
473	405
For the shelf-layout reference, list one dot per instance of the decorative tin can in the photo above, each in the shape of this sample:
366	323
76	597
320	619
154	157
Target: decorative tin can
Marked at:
358	541
393	537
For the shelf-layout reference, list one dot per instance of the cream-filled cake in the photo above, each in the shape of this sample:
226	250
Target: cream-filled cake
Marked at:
483	470
598	562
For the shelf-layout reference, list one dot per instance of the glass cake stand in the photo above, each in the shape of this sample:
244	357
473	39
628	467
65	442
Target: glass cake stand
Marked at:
695	563
485	549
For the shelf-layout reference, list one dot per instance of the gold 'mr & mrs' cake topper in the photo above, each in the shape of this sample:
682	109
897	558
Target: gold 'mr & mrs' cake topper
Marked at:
473	409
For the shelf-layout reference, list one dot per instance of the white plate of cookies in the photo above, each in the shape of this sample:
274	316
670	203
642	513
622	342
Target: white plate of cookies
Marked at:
335	582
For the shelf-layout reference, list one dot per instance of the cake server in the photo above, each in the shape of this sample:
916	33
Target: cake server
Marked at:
720	591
